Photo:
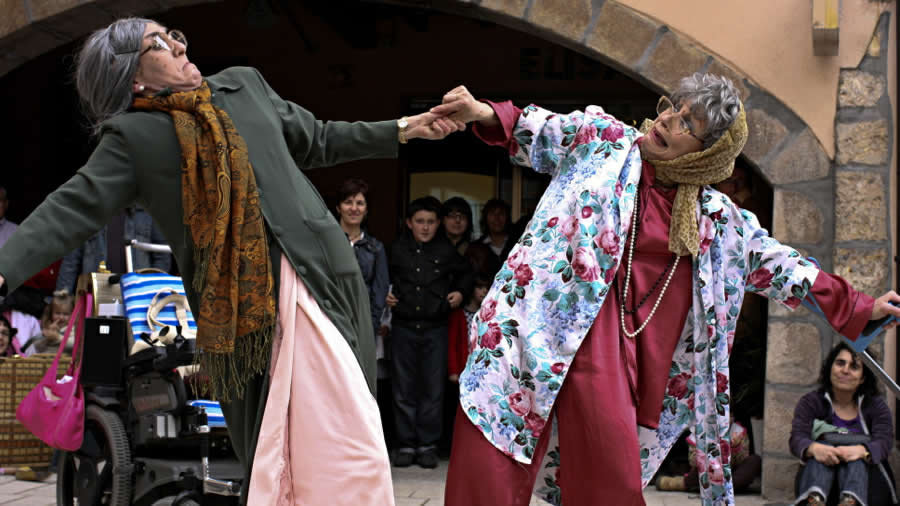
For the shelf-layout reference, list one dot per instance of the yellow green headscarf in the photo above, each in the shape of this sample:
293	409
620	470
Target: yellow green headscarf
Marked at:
690	172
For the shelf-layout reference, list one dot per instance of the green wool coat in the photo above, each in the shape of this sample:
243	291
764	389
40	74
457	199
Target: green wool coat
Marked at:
139	159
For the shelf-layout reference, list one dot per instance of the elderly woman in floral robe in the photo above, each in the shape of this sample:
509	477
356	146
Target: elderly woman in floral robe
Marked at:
555	338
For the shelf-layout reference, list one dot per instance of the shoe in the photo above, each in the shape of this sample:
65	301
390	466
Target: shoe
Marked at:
29	474
427	459
671	483
815	499
848	500
404	458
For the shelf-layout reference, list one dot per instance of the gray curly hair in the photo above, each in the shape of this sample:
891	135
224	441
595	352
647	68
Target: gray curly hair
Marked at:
105	68
712	97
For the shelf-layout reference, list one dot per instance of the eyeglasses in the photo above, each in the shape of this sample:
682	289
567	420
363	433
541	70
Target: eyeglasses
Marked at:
157	43
456	216
681	126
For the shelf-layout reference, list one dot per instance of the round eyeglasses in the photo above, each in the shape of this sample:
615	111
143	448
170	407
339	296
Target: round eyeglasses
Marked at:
681	126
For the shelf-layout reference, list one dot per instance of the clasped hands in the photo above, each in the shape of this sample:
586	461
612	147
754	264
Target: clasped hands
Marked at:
457	108
834	455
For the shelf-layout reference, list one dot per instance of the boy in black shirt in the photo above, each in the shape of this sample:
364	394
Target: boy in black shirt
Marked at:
429	278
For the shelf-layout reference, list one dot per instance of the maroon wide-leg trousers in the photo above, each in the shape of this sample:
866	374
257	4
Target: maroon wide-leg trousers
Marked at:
599	450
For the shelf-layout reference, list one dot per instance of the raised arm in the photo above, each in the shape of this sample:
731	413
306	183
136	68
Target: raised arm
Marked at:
543	140
72	213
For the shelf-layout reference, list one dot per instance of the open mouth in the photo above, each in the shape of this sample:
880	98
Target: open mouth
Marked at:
658	139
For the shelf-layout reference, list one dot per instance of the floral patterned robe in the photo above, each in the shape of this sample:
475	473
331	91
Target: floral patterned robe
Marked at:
552	285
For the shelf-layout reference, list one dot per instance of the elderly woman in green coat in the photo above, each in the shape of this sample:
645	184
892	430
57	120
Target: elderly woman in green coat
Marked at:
216	161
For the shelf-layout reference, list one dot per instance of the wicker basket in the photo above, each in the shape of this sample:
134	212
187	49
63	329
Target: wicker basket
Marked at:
18	376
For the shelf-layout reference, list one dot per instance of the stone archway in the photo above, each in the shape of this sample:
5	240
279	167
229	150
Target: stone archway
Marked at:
836	213
31	28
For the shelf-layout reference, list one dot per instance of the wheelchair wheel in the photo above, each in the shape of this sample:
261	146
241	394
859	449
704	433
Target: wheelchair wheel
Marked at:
99	473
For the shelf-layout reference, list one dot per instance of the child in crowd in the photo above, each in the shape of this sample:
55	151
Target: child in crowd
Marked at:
8	347
459	344
53	324
429	279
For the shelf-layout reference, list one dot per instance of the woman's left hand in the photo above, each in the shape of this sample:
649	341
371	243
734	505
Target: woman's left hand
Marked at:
883	307
851	453
431	126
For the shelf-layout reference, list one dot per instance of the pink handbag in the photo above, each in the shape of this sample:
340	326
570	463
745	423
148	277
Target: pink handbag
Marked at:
54	411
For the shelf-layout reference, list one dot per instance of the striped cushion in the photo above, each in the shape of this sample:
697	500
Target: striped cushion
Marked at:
138	290
214	414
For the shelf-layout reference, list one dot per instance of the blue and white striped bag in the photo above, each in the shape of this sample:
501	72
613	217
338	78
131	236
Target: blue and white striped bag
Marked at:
138	289
214	415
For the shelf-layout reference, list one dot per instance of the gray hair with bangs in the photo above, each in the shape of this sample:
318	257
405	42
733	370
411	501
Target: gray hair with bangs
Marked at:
712	97
105	68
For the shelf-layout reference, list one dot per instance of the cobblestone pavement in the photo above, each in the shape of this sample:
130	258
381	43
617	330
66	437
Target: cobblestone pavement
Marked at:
413	486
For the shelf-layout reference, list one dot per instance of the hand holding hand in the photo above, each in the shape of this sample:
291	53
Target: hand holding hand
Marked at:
390	300
459	105
454	378
851	453
455	299
883	308
431	126
828	455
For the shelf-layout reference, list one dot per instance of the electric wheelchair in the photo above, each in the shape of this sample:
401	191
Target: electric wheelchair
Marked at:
148	440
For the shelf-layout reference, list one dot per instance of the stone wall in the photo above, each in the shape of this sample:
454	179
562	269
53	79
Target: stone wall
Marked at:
843	219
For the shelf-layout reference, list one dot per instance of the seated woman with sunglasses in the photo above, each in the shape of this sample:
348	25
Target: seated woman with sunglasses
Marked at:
617	307
215	160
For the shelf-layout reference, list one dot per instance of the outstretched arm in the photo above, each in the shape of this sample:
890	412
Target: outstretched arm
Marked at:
315	143
545	141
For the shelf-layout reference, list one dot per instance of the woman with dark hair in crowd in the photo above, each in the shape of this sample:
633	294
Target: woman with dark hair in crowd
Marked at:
843	430
352	210
8	347
457	223
492	248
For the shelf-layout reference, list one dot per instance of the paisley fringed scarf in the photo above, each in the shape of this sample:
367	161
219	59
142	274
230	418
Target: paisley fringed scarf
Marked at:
233	272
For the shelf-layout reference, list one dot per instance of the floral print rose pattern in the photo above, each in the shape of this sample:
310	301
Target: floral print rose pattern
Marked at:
549	290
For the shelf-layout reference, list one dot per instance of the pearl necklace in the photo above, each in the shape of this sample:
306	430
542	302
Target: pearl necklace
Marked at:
662	292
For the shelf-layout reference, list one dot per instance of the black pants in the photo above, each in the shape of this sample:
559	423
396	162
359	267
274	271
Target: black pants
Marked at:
418	375
244	418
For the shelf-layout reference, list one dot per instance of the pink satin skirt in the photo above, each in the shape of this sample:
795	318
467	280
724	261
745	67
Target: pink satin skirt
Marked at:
321	440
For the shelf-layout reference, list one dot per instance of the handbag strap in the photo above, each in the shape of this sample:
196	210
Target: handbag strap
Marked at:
78	348
174	298
82	310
